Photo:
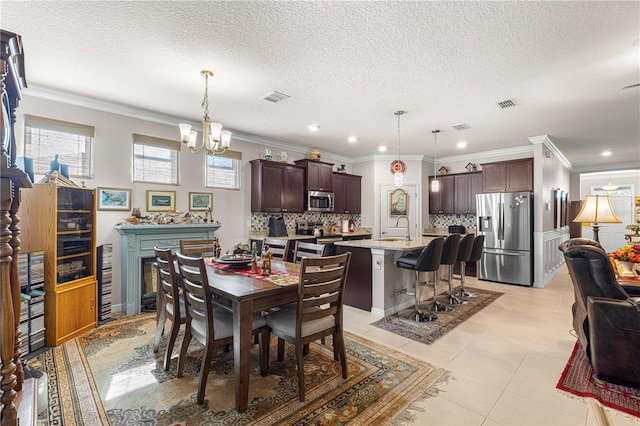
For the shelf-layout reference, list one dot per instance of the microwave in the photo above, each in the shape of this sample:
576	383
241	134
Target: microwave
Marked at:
318	201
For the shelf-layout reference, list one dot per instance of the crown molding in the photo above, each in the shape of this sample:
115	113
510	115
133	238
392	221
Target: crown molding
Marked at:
546	141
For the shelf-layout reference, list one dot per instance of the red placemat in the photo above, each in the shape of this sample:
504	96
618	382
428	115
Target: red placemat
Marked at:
277	277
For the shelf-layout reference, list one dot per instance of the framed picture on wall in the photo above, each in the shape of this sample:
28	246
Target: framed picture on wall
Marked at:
398	202
114	199
200	200
161	201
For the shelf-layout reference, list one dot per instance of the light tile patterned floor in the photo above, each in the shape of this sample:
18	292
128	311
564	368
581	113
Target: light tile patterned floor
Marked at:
505	360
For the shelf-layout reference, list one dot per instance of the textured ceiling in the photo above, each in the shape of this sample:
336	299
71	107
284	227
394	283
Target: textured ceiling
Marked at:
349	65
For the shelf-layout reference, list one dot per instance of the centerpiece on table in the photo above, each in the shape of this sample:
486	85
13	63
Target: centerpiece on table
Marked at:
627	260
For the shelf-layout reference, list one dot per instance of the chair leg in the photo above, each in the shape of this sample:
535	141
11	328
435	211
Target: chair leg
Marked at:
453	298
162	319
417	314
300	359
436	305
305	350
264	339
204	372
338	340
463	291
183	350
280	349
175	326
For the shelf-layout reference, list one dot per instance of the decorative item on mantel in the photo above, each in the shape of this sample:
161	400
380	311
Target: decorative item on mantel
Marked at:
169	218
443	170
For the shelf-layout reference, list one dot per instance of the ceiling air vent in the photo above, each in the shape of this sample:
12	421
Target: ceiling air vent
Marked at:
275	97
506	104
461	126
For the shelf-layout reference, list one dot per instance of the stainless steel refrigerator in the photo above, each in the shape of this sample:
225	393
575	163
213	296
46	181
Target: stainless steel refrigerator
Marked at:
506	221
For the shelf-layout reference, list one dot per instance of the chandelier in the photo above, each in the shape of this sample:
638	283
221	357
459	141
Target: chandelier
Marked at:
214	139
435	183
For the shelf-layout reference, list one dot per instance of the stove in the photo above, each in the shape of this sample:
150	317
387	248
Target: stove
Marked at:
306	228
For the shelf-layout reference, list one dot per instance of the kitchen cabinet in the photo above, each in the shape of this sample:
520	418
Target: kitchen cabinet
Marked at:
443	201
466	186
276	187
508	176
62	223
347	192
318	175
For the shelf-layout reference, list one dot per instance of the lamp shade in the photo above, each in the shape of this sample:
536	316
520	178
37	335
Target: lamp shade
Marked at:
597	209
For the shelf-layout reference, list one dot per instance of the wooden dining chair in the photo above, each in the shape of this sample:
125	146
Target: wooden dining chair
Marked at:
279	248
172	304
303	249
209	322
197	248
317	312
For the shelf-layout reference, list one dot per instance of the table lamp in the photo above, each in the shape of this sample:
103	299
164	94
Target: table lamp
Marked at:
597	209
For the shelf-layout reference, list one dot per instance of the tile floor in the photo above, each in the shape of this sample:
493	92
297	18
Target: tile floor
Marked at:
505	360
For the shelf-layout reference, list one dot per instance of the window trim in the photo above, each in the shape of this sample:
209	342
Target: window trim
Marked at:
153	141
233	155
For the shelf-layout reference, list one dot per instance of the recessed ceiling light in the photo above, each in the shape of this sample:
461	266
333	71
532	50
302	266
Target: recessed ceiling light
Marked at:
606	153
461	144
352	139
313	127
382	148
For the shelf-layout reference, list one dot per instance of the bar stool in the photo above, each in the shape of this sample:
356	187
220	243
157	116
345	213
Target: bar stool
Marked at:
448	258
464	255
476	253
426	261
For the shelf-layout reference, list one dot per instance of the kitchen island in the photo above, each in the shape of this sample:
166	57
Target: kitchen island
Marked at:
374	280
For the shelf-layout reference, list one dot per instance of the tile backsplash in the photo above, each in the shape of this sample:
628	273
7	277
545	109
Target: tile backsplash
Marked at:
444	220
260	221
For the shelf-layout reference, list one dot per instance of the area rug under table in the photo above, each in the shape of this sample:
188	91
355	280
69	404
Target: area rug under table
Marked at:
429	331
578	379
114	366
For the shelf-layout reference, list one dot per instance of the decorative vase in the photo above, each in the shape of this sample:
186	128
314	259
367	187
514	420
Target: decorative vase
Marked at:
626	269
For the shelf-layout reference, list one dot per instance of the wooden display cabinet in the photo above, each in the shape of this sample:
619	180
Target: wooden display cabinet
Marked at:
61	221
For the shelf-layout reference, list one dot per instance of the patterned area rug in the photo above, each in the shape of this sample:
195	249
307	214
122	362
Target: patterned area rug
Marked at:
429	331
115	367
578	379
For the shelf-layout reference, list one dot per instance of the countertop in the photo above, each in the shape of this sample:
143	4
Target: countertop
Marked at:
443	232
259	235
396	244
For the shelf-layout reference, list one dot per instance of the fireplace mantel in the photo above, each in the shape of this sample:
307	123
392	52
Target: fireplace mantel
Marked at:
138	242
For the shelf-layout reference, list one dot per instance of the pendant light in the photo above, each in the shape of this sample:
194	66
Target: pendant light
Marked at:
610	186
435	183
398	167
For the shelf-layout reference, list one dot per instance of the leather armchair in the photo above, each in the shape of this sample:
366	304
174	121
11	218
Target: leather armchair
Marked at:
606	317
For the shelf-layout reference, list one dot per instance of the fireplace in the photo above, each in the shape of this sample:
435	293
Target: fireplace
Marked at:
148	284
137	243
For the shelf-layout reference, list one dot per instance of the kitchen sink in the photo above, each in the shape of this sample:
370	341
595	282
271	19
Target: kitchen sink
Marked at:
390	239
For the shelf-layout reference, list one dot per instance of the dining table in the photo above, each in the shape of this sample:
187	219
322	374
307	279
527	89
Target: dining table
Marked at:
249	293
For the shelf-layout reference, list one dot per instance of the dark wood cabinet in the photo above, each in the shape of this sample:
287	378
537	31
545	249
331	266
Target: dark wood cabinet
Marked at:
347	192
276	187
318	175
466	186
443	201
508	176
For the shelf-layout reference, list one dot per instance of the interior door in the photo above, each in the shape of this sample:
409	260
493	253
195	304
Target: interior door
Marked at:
390	226
611	235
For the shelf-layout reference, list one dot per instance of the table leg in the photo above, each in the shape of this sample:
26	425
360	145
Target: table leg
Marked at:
242	321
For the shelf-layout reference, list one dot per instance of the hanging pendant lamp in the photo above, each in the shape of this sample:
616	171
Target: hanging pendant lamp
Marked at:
435	183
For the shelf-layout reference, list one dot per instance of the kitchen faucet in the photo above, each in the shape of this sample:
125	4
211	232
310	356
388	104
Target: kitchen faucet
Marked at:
408	236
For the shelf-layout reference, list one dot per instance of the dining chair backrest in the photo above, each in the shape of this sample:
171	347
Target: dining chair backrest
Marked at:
303	249
279	248
197	248
321	288
169	281
197	296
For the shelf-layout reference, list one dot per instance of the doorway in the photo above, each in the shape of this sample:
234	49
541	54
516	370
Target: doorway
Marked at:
611	235
392	209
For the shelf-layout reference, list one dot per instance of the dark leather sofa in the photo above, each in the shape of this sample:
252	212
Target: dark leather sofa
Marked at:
606	315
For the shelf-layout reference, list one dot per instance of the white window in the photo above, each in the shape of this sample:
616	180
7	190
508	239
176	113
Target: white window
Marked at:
155	160
45	137
223	170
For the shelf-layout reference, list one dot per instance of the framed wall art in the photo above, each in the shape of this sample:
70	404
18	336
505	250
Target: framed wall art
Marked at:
114	198
161	201
200	200
398	202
